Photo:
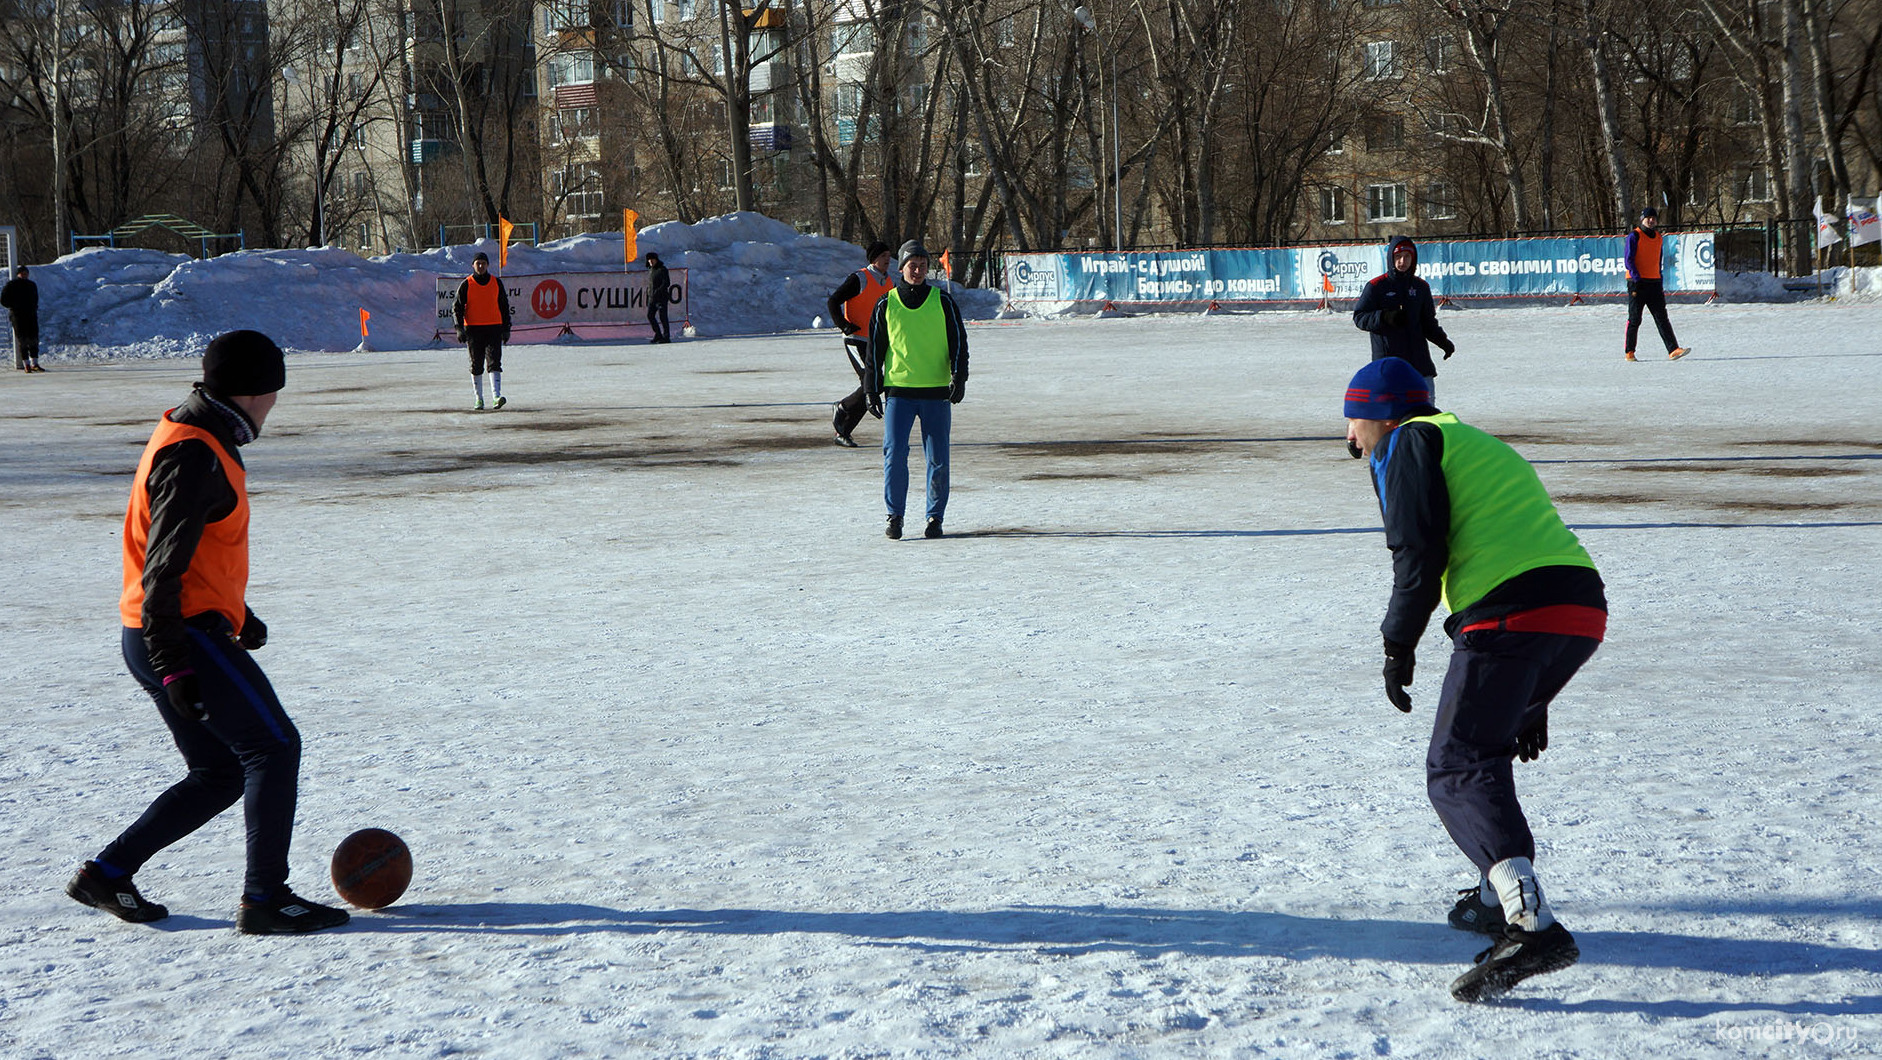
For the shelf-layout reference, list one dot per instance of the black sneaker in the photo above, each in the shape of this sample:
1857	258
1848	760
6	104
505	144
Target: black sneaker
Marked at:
894	532
846	441
934	529
118	897
289	914
1516	956
1472	913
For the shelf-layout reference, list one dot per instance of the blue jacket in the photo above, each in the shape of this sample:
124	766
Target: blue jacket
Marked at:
1404	292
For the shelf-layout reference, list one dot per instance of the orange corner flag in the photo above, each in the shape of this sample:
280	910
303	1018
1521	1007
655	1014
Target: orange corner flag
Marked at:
504	228
946	269
1326	283
363	318
630	243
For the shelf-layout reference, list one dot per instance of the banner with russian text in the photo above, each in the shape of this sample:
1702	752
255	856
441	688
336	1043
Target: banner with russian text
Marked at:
565	300
1493	268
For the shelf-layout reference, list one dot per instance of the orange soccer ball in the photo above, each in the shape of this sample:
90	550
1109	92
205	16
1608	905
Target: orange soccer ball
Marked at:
371	868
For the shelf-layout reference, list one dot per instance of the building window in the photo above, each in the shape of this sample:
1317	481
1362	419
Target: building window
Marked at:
571	68
623	14
1441	53
572	123
1386	134
565	14
853	38
1754	184
580	189
1744	108
1381	61
1440	200
1385	202
1333	206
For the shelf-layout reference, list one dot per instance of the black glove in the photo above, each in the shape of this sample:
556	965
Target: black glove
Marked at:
847	327
506	333
1353	448
1630	288
1448	347
957	392
185	693
1394	318
1533	740
1399	660
875	405
254	632
462	335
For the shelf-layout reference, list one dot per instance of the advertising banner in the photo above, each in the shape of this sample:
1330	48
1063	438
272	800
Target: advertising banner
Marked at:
558	300
1483	268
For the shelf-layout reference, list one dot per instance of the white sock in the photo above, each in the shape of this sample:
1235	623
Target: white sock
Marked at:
478	382
496	384
1516	887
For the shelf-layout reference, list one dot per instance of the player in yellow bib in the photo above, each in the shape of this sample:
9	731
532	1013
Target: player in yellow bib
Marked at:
1470	524
917	371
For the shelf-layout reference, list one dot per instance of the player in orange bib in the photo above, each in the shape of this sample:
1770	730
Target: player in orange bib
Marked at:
187	637
482	311
850	306
1645	289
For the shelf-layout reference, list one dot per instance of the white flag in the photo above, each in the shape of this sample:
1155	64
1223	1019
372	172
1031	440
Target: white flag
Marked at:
1864	224
1826	226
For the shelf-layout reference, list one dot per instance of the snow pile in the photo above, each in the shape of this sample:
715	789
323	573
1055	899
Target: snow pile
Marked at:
1750	287
747	274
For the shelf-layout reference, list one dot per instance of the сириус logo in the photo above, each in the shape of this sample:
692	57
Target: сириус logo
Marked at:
1022	271
1329	262
549	299
1703	253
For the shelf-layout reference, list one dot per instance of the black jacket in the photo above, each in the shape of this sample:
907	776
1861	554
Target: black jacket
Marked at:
1408	475
1401	292
188	489
659	286
915	298
21	298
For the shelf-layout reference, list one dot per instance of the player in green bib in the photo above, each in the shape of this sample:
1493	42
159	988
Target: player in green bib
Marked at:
1470	525
917	372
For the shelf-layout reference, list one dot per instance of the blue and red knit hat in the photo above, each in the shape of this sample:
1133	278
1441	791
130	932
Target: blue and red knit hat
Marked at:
1386	389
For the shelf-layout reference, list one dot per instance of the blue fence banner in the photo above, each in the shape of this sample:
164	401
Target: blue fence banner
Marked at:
1478	268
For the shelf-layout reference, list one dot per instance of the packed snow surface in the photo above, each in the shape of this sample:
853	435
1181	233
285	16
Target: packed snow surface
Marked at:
694	762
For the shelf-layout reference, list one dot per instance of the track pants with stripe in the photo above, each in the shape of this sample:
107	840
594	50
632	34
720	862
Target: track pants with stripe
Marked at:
248	749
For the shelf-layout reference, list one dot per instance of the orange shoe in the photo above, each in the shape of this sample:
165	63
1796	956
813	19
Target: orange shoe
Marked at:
1677	354
1631	357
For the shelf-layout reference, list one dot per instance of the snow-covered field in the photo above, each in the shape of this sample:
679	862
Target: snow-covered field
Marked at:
694	762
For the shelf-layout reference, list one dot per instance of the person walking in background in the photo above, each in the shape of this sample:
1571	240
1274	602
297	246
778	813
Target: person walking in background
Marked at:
659	294
1470	524
482	311
850	306
187	635
1645	289
917	371
1397	308
20	298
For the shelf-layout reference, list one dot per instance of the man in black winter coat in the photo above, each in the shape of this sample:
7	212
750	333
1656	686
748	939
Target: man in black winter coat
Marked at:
20	298
1397	308
659	296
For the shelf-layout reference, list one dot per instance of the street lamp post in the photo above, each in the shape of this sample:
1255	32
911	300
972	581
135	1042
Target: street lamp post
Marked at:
1090	22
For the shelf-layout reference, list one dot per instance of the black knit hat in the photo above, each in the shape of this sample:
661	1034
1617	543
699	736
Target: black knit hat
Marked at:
876	250
1648	211
243	364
